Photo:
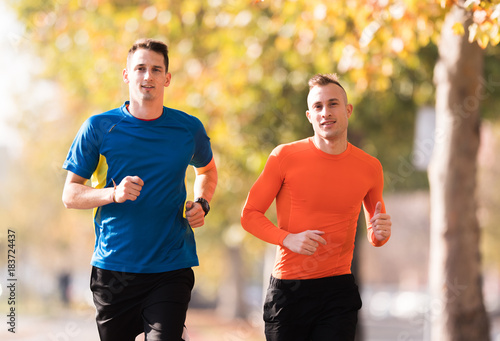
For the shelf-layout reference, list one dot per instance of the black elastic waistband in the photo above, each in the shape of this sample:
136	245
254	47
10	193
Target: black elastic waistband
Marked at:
334	282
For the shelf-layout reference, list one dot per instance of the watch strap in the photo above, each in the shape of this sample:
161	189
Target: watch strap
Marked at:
204	204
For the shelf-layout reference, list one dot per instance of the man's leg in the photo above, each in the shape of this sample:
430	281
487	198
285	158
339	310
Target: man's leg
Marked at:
338	317
341	327
165	308
118	307
286	312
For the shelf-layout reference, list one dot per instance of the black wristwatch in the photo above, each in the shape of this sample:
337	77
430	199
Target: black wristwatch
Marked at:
204	204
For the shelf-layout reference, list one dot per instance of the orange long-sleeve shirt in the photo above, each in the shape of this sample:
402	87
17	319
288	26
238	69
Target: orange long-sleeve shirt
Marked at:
314	191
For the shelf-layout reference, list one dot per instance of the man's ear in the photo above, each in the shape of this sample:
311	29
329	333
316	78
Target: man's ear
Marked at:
349	110
168	78
308	115
125	76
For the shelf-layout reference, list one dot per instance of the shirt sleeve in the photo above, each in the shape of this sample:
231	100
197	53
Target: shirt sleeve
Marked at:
370	201
83	155
260	197
203	150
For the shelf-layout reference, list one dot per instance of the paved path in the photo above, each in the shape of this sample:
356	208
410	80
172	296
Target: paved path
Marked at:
80	326
204	325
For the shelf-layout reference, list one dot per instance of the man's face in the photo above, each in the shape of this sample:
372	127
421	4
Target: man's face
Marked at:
328	112
146	75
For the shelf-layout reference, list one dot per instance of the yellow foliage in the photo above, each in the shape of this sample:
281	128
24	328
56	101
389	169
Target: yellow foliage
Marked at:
483	40
458	28
485	26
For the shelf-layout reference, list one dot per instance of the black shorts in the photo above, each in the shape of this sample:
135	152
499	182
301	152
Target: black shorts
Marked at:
312	309
128	304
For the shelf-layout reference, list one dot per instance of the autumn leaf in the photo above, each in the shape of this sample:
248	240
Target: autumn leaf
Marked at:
458	29
483	40
472	32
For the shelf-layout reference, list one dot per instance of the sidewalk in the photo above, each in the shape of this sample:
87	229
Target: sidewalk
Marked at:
203	325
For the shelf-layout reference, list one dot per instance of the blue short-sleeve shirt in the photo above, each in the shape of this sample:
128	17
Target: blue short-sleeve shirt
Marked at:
150	234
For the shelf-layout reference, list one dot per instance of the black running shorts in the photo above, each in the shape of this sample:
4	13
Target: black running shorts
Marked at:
312	309
128	304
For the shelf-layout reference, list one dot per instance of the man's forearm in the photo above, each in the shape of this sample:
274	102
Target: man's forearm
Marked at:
81	196
205	184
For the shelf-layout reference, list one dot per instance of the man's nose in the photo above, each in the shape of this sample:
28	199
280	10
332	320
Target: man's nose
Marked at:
326	112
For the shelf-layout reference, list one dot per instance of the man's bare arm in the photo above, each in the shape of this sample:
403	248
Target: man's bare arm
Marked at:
204	187
205	183
76	194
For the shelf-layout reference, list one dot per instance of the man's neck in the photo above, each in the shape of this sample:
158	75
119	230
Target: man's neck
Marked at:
146	110
333	147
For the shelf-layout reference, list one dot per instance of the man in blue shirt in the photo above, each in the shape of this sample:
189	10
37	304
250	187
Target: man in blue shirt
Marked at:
137	156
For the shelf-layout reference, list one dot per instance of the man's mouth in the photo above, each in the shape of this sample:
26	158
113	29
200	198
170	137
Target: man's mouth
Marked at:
148	86
328	123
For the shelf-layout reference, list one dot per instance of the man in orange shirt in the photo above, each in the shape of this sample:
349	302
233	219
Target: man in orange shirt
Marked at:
319	184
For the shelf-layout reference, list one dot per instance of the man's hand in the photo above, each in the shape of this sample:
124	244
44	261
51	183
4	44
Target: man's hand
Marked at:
195	214
304	243
128	189
381	223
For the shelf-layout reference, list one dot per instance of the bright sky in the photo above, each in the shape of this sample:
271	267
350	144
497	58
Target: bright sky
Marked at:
13	75
16	70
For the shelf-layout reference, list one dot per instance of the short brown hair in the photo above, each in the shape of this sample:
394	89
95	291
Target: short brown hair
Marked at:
325	79
153	45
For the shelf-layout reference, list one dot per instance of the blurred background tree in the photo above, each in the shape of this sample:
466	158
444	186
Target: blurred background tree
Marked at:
242	68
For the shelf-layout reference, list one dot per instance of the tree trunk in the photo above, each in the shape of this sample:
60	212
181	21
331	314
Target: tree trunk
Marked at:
457	310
